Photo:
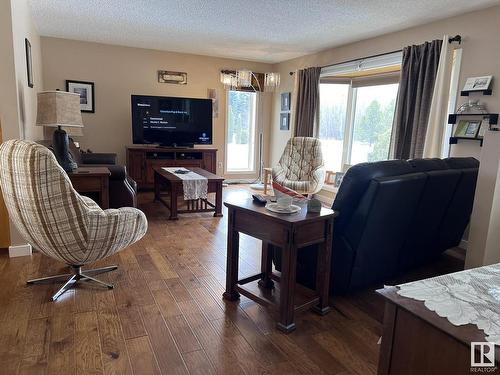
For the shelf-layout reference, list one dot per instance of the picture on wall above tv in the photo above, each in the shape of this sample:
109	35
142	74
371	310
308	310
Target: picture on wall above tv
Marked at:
171	121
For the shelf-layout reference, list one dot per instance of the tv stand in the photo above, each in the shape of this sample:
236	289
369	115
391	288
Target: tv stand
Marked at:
142	159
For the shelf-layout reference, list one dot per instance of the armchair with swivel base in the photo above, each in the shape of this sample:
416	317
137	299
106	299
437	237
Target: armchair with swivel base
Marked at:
56	220
301	167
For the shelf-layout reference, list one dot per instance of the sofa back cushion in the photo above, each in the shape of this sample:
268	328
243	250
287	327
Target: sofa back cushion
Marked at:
421	241
380	224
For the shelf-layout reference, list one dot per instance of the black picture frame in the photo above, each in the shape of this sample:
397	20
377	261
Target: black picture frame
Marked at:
285	101
87	94
29	62
285	121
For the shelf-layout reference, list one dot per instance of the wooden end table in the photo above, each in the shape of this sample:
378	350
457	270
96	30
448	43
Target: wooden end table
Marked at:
92	180
174	188
288	232
416	340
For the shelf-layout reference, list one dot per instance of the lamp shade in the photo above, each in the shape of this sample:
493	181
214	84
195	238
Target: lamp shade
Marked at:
59	108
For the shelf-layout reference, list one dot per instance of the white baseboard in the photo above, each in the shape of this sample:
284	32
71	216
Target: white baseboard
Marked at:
464	244
20	251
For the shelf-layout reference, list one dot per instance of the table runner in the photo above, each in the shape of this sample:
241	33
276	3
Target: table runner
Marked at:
471	296
194	185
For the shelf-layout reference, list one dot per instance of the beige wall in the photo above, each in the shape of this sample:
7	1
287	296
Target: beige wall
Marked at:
9	113
479	30
484	237
481	56
23	27
17	100
119	72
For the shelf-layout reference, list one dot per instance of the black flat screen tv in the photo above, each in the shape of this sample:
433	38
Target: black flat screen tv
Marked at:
170	121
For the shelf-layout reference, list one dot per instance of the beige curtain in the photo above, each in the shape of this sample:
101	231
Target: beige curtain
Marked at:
307	102
433	145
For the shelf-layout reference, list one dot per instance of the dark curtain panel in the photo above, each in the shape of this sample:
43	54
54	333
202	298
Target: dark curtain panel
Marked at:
418	74
307	104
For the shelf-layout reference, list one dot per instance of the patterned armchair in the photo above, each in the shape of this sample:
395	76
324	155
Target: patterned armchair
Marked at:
58	221
301	166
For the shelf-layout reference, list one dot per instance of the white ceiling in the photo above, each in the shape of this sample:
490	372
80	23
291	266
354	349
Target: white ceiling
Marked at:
260	30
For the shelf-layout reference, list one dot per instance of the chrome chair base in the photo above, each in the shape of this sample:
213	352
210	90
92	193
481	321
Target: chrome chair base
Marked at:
77	276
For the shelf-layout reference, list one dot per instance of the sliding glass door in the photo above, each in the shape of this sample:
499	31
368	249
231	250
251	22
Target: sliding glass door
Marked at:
241	131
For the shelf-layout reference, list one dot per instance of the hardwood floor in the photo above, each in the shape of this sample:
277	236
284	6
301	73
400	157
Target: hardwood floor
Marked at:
166	314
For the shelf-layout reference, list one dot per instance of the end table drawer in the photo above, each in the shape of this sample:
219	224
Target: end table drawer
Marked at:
309	234
266	229
86	184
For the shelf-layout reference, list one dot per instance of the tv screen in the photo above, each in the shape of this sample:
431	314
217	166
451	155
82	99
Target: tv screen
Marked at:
171	121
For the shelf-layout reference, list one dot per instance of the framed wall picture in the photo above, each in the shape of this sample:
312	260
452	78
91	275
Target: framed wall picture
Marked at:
285	101
478	83
29	62
285	121
467	129
86	92
482	129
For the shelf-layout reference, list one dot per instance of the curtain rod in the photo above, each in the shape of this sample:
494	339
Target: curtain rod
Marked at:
456	38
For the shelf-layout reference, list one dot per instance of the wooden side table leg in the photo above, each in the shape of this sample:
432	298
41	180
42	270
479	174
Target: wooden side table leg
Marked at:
323	270
266	266
287	287
218	200
233	244
105	193
173	202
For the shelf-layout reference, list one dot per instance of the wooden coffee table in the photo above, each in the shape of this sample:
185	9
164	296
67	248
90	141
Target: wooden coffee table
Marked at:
173	188
92	180
288	232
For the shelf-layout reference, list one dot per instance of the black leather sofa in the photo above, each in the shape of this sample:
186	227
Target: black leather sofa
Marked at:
394	215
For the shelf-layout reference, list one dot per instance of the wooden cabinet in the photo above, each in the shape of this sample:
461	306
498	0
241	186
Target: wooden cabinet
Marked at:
142	159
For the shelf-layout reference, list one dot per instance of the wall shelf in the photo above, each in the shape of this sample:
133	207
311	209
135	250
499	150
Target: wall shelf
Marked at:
454	140
484	92
491	117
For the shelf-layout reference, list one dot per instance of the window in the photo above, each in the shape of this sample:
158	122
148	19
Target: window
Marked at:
372	128
357	104
241	131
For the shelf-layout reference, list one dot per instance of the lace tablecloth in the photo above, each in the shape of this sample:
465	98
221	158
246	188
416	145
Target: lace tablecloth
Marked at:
194	186
471	296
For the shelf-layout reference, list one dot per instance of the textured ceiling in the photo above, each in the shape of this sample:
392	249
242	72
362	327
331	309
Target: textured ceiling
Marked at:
260	30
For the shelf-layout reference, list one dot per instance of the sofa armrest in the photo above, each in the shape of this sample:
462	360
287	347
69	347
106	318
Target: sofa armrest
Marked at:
118	172
98	158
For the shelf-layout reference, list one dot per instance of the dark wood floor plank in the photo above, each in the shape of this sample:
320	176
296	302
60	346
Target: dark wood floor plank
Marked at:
87	344
141	356
62	336
114	354
164	347
36	349
197	363
183	336
131	321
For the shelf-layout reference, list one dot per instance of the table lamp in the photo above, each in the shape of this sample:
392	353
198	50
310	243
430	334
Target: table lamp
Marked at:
60	109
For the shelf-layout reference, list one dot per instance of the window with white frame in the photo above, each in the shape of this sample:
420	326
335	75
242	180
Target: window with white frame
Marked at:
357	103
